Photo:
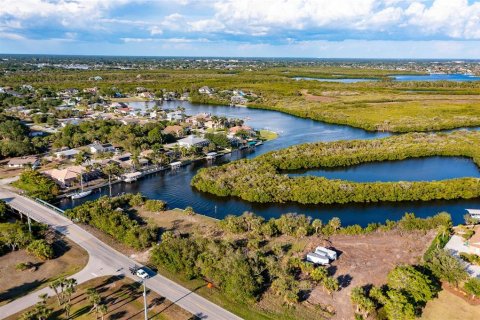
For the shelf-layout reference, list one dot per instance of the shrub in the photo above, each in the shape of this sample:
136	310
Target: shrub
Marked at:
155	205
41	249
189	211
470	258
22	266
472	287
136	200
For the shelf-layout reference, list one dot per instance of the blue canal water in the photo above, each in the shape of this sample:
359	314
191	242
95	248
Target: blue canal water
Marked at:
174	186
426	77
418	169
438	77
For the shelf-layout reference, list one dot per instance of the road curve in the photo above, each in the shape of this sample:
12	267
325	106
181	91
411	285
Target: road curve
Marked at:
103	261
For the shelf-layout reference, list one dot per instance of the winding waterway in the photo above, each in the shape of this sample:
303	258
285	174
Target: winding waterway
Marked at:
174	186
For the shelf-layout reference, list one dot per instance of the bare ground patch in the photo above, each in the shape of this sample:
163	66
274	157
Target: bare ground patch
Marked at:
367	259
314	98
70	258
123	298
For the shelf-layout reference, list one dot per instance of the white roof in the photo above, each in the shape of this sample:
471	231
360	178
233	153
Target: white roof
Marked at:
191	139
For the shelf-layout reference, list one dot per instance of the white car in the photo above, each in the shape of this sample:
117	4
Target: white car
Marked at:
142	274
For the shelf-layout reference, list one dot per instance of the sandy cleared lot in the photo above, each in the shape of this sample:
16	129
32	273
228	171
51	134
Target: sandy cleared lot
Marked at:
70	258
367	259
123	298
449	306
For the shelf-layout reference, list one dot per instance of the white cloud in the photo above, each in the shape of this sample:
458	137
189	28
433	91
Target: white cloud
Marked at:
458	19
154	30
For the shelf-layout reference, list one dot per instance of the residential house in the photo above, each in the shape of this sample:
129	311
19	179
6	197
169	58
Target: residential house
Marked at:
175	130
66	177
67	154
205	90
240	100
23	162
175	116
193	141
100	148
147	95
236	129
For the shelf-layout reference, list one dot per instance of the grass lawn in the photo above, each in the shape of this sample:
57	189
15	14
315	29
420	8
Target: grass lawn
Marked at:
449	306
268	135
70	259
124	301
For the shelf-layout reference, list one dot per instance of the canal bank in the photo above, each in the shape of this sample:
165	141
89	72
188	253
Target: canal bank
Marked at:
173	186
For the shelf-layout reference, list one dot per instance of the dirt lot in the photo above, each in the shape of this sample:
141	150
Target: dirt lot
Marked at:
70	258
367	259
123	298
311	97
177	220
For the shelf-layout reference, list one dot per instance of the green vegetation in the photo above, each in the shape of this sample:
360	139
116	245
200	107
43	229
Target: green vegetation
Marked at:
472	286
470	258
263	179
131	137
41	249
155	205
37	185
112	217
16	235
247	267
267	135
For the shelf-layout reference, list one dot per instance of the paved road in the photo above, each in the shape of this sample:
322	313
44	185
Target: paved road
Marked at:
103	260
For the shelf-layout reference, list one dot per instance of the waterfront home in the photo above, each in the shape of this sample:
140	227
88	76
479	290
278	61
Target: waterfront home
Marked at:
99	148
237	129
66	177
193	141
23	162
67	154
175	116
147	95
205	90
238	100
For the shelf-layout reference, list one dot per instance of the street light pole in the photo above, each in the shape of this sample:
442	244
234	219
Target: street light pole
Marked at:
145	298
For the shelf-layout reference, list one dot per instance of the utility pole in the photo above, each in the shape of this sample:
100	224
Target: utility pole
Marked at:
29	223
145	298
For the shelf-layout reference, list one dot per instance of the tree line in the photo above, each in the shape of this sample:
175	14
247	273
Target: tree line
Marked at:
116	217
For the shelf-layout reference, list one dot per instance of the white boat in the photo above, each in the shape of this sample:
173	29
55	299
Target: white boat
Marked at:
80	195
474	213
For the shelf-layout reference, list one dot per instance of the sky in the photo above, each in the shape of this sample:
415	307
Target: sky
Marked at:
243	28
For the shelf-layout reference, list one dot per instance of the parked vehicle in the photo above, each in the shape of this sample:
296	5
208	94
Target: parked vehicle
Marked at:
317	258
142	274
332	255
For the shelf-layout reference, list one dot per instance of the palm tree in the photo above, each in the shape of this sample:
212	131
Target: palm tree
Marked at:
103	309
335	223
111	169
317	224
95	299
